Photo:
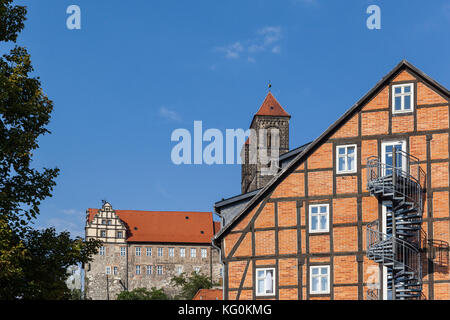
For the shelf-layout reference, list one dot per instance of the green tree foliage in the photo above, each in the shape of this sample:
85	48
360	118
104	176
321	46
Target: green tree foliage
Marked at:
44	271
24	114
32	263
143	294
191	284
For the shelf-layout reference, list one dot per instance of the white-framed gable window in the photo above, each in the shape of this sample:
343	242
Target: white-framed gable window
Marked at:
402	98
319	279
346	159
265	281
319	218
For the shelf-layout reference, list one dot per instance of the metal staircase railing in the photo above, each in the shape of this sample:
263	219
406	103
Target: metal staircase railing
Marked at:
397	248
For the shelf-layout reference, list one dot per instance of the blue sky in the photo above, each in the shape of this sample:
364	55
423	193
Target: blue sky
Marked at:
137	70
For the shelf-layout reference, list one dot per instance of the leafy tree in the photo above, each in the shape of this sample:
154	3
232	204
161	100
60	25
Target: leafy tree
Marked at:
24	114
43	274
191	284
143	294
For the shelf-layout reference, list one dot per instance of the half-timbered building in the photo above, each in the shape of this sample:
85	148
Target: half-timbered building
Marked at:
362	212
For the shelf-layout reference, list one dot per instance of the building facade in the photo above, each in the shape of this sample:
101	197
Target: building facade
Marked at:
362	212
145	249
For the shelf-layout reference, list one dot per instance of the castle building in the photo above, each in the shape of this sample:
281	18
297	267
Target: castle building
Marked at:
362	212
145	249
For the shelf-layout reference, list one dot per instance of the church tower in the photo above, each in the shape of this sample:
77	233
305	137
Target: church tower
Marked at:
270	118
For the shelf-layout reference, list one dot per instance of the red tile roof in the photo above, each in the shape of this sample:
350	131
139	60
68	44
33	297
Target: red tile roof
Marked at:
271	107
208	294
166	226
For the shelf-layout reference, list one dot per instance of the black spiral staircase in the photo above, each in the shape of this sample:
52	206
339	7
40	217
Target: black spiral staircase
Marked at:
398	248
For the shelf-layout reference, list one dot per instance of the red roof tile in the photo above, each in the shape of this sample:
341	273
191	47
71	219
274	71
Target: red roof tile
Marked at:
208	294
271	107
166	226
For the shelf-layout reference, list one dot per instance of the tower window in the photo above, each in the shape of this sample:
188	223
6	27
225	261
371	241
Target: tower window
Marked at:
402	98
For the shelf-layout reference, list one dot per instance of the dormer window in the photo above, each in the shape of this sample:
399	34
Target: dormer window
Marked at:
402	98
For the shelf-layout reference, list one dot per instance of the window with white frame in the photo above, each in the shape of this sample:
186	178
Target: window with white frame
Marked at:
138	251
159	270
179	270
197	269
108	270
149	251
102	251
319	279
123	251
171	252
193	253
149	270
265	281
138	269
183	252
119	234
160	252
319	218
115	270
402	98
204	253
346	159
103	233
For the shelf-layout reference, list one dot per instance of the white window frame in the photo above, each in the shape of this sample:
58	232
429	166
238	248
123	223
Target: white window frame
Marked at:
123	251
148	251
115	271
346	159
179	270
402	95
193	252
258	293
327	229
197	269
108	270
101	251
138	269
311	276
138	251
103	234
159	270
160	252
120	233
171	252
204	253
149	268
182	252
